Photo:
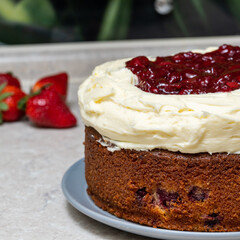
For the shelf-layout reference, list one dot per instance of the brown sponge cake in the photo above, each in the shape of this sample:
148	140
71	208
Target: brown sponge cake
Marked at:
159	188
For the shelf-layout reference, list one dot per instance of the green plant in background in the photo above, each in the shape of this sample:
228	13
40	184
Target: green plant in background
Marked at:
115	24
26	21
180	19
198	6
39	21
30	21
32	12
234	6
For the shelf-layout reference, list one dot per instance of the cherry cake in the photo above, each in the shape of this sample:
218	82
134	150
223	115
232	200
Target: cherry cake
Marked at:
160	186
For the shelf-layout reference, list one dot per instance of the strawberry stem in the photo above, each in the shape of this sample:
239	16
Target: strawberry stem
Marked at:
9	73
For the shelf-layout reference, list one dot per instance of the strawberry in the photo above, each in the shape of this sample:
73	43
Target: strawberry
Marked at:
58	82
9	79
9	98
47	109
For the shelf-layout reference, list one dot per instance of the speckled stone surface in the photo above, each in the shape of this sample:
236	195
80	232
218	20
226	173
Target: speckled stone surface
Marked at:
33	160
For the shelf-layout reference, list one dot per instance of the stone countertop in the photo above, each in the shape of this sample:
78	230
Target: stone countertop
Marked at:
33	160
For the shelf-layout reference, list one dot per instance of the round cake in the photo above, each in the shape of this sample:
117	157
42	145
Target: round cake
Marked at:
162	139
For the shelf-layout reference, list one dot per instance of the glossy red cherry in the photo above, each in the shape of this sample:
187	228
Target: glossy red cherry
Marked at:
188	72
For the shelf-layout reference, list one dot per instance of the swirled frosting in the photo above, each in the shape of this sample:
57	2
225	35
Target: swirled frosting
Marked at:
133	119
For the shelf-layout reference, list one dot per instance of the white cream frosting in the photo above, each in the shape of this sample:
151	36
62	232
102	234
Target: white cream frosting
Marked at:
133	119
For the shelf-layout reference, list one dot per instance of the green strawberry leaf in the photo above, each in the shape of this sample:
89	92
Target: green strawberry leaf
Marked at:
22	103
5	95
1	118
3	106
2	86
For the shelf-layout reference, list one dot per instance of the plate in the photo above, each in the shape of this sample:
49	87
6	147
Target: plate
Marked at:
74	188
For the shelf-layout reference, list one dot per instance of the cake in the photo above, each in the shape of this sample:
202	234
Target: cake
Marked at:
162	139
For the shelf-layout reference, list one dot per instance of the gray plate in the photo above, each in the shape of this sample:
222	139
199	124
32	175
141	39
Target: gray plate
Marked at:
74	188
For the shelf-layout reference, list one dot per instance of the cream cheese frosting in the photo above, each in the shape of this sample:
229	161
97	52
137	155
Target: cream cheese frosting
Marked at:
133	119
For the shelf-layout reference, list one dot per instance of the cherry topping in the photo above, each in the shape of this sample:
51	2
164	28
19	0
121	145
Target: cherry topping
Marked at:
212	219
165	199
141	193
197	194
188	72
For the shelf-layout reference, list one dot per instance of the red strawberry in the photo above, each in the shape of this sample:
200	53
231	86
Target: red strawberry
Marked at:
47	109
9	79
9	98
58	82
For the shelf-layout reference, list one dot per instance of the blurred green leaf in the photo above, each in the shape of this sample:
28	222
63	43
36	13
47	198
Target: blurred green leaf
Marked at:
13	33
198	4
32	12
110	19
37	12
7	9
179	18
234	6
125	18
116	20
